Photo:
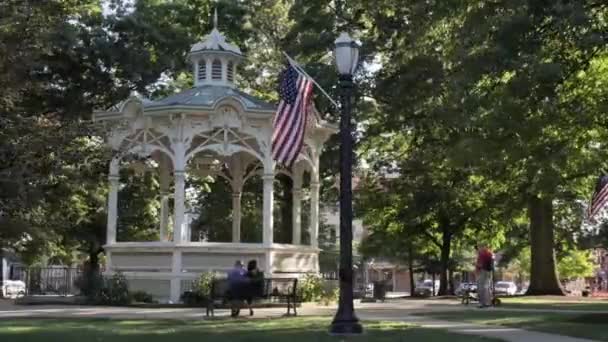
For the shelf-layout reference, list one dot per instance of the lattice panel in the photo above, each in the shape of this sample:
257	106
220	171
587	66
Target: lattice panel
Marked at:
225	137
146	141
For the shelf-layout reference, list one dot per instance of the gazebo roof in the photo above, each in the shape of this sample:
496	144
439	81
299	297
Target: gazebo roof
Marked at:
212	105
208	96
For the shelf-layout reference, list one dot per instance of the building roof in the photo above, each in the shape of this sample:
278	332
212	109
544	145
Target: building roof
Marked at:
207	96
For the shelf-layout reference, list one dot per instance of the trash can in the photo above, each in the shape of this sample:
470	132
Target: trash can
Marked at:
379	290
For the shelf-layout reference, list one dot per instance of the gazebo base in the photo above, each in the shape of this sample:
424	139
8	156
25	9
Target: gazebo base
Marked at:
166	270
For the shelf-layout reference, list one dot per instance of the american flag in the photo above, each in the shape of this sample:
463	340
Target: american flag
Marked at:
290	119
600	197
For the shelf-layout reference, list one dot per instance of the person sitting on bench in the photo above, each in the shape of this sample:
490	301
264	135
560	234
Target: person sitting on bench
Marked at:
237	286
256	283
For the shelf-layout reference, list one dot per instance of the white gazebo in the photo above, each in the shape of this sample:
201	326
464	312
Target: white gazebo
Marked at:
217	130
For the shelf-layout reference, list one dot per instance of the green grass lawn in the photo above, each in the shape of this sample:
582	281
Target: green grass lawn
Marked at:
555	302
309	329
584	325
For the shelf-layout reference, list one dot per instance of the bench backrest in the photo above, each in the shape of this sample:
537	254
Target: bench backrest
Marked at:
271	287
280	286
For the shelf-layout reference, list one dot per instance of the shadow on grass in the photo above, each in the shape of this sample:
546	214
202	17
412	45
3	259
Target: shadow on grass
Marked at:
595	318
277	329
591	326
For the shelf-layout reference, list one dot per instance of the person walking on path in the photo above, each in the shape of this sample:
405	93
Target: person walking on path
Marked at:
483	268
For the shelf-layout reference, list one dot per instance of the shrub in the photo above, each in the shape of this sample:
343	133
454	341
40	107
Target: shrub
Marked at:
142	297
90	284
190	298
310	288
114	291
202	286
201	291
313	288
330	294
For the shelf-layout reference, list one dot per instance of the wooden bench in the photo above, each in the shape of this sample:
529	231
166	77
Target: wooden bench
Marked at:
273	288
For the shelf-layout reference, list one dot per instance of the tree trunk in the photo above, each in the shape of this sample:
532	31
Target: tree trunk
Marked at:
410	266
94	262
91	275
543	273
451	282
444	263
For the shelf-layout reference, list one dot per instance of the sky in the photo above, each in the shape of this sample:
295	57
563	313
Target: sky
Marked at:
105	6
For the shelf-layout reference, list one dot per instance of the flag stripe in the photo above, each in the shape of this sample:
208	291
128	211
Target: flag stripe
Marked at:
293	130
598	205
599	199
289	122
281	120
296	145
299	139
285	126
285	118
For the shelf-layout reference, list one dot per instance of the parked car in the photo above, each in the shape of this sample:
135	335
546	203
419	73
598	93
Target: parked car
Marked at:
12	289
426	288
505	288
464	286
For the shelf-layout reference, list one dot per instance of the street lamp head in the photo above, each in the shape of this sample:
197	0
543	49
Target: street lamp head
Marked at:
346	54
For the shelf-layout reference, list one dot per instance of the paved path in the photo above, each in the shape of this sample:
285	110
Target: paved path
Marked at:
399	311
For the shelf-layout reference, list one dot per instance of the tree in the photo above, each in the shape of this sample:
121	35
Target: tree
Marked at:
138	206
384	243
431	202
60	59
576	264
521	264
509	83
546	127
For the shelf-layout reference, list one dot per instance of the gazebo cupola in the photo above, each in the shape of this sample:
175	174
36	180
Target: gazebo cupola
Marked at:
215	60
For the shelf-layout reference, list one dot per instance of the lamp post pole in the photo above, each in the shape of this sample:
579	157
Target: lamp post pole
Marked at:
345	321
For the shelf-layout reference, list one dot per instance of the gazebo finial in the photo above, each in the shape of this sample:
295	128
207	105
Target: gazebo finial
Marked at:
215	19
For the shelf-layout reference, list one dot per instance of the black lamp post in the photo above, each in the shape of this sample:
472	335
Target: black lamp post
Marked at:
347	55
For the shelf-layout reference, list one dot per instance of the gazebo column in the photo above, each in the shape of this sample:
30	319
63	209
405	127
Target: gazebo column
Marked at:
113	179
297	207
164	202
236	183
268	207
179	206
179	196
164	216
267	227
314	212
236	216
178	235
179	210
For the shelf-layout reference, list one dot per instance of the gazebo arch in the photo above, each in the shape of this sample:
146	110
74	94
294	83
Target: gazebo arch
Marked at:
214	119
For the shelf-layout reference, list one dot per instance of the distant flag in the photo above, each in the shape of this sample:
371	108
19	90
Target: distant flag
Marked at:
289	124
600	197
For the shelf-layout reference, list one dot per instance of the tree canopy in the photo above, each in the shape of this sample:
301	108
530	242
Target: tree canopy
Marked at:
476	120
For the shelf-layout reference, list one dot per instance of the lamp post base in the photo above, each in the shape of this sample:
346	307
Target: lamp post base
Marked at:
346	327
